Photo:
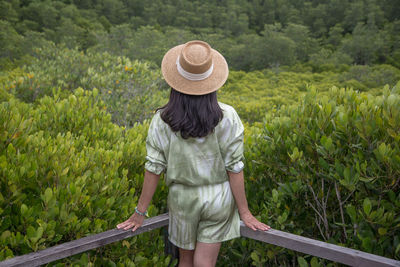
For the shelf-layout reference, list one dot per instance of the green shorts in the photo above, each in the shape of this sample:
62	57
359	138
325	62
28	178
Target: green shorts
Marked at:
206	213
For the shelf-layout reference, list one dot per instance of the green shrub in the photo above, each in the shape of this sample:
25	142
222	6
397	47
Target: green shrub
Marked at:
131	89
72	159
255	93
329	168
66	172
372	76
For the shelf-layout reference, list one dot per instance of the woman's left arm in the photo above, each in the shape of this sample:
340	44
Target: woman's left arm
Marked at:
236	181
149	187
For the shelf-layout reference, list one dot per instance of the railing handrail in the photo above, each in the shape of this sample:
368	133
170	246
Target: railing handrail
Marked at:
298	243
318	248
83	244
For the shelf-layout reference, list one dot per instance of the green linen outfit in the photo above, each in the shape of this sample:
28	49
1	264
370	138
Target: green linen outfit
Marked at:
200	201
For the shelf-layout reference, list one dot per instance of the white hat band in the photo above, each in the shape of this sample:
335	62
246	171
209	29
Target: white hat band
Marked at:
193	76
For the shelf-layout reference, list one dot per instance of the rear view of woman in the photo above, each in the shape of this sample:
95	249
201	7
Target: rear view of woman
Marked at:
198	143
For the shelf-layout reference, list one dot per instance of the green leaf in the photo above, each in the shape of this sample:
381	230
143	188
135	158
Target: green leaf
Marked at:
39	232
314	262
72	188
236	253
36	235
48	194
326	142
351	211
346	174
30	232
302	262
295	154
382	231
392	196
366	180
24	209
65	171
95	92
367	244
10	150
270	254
367	206
275	195
284	216
167	261
255	257
323	163
84	259
5	235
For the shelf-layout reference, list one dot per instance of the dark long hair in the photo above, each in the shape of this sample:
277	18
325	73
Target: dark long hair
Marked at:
192	115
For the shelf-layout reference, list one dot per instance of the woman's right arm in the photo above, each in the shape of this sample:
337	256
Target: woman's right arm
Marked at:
149	187
236	181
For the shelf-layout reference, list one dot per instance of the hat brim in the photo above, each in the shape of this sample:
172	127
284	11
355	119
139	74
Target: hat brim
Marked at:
215	81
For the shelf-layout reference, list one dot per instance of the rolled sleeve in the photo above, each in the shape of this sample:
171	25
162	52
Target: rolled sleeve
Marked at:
155	164
154	168
236	167
232	144
155	158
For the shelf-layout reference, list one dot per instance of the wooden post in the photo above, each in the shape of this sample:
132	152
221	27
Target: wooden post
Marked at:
169	248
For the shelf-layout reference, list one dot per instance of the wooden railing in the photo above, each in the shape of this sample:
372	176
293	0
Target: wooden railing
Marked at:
298	243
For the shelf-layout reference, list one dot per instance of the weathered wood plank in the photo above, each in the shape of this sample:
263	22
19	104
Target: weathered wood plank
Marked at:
294	242
83	244
317	248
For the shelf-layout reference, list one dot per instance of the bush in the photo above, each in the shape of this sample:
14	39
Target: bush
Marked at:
66	172
372	76
130	89
328	168
69	170
253	94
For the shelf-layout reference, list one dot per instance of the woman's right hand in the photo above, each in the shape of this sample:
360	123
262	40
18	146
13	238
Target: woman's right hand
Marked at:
250	221
135	221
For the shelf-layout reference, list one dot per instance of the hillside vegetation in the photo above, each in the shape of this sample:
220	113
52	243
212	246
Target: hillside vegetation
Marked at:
72	159
316	84
250	34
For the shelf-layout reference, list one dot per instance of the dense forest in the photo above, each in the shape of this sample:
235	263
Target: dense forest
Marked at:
251	34
316	84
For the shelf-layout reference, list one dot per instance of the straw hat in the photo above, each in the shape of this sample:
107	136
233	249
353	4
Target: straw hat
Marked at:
194	68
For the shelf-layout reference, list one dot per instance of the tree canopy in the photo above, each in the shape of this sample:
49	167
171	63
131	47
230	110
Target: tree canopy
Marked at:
366	31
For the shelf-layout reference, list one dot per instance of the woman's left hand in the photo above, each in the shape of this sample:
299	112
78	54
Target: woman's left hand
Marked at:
252	222
135	221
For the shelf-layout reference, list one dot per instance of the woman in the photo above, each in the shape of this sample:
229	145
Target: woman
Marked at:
198	142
